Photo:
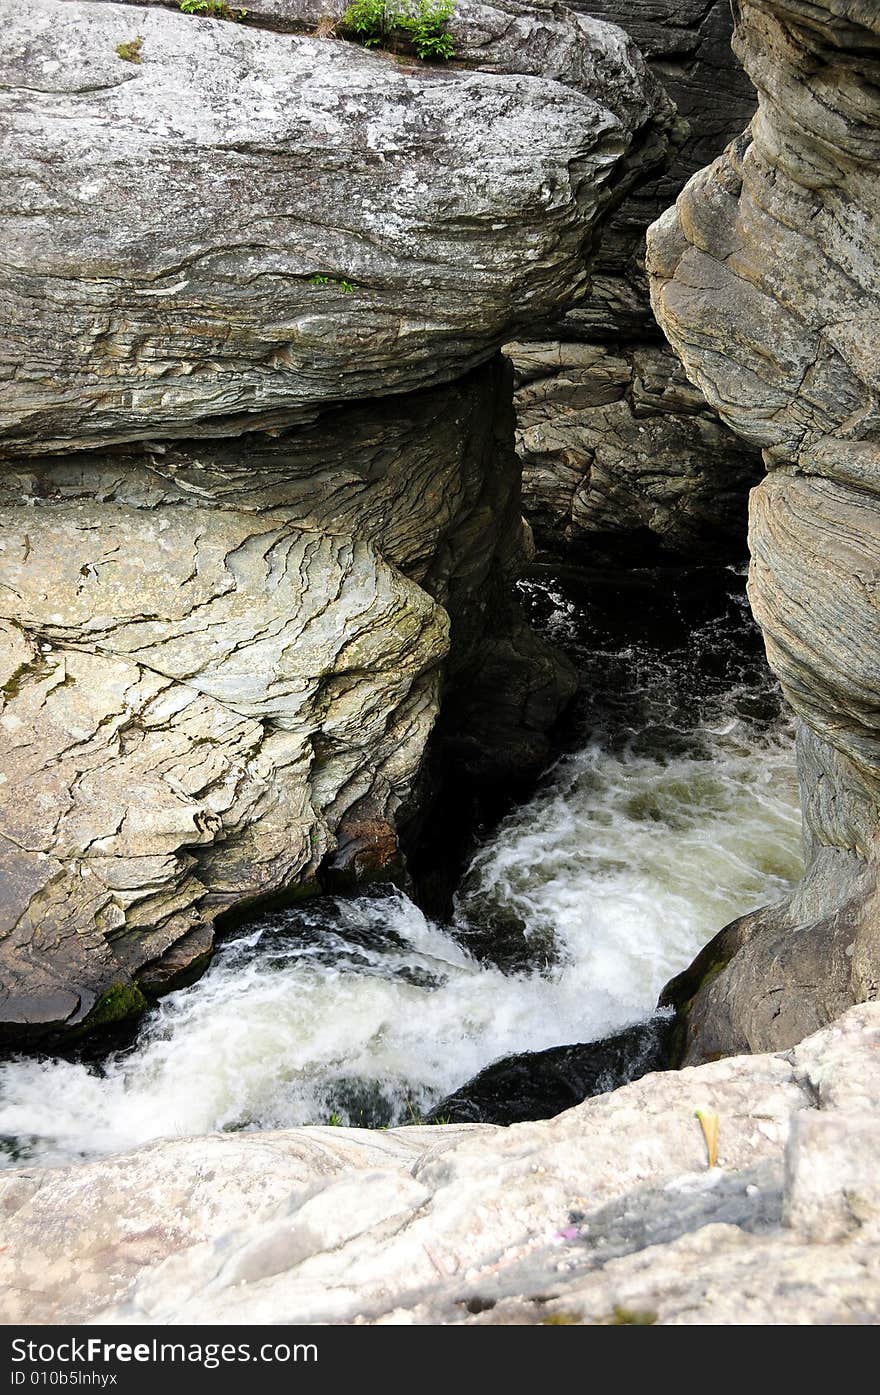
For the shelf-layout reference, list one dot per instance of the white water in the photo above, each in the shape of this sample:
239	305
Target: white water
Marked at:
638	847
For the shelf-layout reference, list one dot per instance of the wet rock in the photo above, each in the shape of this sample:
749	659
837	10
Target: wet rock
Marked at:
539	1084
607	1214
765	279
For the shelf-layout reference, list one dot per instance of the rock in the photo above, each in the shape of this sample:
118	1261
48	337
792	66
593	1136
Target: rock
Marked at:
687	46
607	1214
221	669
765	279
621	456
249	222
260	499
110	1218
539	1084
620	451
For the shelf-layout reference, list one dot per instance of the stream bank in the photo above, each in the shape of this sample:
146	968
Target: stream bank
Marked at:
670	808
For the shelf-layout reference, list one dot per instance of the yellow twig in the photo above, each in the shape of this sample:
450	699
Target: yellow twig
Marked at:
709	1125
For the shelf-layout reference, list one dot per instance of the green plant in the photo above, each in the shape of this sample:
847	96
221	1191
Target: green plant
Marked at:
369	19
345	286
422	21
426	26
335	1121
213	9
131	51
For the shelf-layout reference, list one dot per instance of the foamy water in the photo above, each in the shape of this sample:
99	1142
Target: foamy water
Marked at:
639	845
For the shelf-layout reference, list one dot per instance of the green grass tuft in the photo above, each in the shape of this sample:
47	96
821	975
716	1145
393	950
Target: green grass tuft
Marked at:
213	9
131	51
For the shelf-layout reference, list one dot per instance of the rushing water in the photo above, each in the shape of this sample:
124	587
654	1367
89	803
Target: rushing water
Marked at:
674	810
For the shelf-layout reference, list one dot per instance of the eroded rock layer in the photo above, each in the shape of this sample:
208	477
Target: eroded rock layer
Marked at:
259	498
247	221
222	664
766	278
621	456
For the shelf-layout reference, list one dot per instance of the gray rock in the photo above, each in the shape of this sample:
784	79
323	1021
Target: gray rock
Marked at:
607	1214
233	595
619	453
222	662
687	46
246	222
765	279
617	445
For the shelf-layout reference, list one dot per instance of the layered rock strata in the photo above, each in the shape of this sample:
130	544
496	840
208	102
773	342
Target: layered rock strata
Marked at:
765	279
621	456
608	1214
259	499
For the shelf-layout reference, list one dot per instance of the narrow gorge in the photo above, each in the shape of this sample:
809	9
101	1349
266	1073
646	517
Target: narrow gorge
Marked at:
413	829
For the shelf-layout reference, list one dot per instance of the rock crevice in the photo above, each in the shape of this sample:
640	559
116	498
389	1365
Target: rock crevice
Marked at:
765	280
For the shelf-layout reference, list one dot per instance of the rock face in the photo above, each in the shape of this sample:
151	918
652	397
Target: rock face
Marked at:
246	222
259	499
621	455
765	279
221	667
608	1214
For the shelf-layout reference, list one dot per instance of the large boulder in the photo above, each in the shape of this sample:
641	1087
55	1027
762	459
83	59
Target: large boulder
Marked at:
260	501
766	278
221	665
614	1212
245	221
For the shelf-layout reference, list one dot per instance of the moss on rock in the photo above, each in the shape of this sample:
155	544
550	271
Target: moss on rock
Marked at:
121	1000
